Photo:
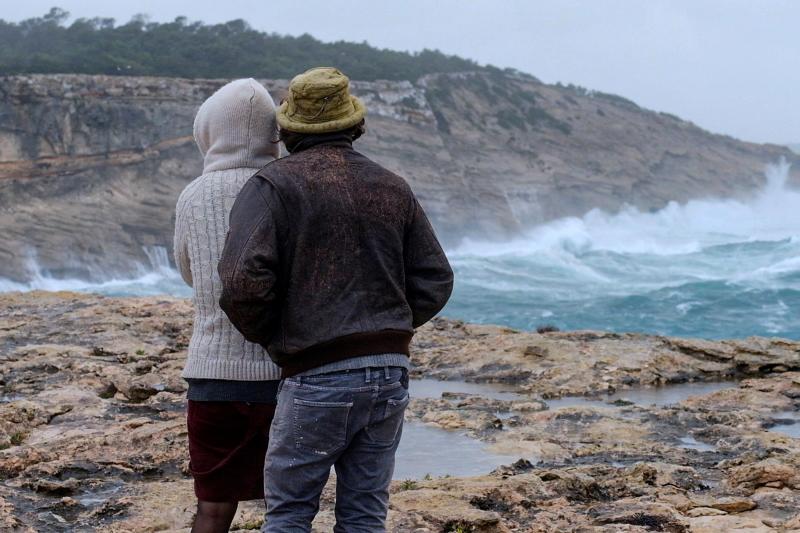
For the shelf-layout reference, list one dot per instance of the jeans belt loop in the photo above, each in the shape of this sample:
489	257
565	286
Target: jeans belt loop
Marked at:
386	372
368	371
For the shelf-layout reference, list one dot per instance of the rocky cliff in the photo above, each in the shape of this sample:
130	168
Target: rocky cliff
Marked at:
91	166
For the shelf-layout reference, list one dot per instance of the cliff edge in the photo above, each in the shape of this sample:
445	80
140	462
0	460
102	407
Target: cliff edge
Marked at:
91	166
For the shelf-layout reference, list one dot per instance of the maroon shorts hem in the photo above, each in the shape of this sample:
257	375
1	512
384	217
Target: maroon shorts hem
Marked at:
227	445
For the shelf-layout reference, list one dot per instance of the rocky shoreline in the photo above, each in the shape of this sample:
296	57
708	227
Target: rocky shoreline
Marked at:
93	436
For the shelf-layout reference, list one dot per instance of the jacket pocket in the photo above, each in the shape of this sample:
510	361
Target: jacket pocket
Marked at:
384	431
320	427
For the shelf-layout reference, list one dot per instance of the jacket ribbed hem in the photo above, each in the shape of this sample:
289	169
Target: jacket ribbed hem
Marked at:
230	369
347	347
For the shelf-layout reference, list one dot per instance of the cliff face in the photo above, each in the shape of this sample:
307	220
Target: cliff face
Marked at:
91	166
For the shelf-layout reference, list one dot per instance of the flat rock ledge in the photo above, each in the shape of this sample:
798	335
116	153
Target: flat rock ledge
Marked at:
93	436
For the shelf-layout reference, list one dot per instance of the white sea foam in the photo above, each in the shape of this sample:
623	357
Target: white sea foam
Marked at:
677	229
709	268
155	277
712	268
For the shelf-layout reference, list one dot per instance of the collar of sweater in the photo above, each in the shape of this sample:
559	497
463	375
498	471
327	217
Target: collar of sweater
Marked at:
236	127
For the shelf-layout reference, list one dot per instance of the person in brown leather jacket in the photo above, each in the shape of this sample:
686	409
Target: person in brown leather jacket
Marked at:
330	264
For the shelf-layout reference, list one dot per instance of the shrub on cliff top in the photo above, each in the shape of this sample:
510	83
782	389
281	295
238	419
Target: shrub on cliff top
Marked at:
48	44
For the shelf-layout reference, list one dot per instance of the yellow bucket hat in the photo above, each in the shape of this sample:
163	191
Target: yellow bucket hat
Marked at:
319	101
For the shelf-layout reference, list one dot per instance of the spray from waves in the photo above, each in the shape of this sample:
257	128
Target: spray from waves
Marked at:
156	277
708	268
773	214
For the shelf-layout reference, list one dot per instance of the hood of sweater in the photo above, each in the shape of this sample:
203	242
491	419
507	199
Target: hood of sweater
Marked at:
235	127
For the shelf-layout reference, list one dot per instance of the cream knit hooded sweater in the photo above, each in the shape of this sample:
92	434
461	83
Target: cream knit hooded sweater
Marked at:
234	130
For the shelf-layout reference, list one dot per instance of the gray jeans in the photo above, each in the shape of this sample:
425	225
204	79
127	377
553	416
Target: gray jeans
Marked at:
351	420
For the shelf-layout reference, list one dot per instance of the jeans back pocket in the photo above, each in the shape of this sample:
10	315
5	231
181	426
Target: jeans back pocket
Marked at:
384	431
320	427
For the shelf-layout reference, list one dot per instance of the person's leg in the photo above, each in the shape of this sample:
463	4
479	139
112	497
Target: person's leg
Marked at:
364	471
227	444
214	517
309	432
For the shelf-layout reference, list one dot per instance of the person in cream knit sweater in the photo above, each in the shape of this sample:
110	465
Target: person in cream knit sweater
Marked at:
232	382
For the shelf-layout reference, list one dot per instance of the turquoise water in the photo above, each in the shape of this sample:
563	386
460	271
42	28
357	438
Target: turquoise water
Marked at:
708	268
736	290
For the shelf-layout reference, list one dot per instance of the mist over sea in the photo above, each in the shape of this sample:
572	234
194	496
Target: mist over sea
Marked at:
709	268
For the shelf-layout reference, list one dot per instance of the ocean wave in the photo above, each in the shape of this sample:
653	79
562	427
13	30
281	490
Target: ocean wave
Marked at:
155	277
707	268
772	214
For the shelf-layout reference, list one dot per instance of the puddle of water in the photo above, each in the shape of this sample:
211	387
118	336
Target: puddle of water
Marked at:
690	443
670	394
658	396
576	401
645	396
94	498
790	430
11	398
789	424
434	388
438	452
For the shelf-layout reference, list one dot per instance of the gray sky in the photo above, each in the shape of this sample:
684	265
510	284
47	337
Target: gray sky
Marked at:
732	66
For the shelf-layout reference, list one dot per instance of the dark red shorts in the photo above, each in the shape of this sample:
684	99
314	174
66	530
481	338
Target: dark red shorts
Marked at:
227	445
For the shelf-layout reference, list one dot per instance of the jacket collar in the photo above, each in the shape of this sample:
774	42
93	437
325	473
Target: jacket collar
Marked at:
326	139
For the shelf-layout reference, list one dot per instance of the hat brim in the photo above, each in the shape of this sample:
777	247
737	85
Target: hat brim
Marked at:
358	114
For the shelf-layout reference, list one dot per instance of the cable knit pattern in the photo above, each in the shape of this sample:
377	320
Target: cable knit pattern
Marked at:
233	129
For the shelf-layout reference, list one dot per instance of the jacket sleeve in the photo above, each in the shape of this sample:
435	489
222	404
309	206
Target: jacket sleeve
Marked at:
429	278
181	243
249	267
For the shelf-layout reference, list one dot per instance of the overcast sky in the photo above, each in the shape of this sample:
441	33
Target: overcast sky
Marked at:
732	66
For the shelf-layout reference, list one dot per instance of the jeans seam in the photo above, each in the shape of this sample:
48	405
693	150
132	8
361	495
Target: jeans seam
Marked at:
308	386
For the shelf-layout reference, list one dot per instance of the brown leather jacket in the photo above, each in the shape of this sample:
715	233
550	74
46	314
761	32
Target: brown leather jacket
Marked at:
330	256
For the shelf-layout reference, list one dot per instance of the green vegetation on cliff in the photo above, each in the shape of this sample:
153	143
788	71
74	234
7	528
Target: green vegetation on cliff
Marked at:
48	45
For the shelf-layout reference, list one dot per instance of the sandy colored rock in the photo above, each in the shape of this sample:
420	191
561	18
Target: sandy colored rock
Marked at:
94	432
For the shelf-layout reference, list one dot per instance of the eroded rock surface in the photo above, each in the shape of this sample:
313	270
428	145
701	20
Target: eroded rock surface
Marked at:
91	166
93	435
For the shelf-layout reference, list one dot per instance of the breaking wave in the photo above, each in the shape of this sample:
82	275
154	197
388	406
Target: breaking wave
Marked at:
155	277
707	268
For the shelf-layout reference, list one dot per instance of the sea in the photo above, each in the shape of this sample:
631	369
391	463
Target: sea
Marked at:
708	268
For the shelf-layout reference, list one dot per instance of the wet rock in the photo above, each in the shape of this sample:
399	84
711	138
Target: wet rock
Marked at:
727	504
769	472
535	351
446	512
793	523
575	486
652	517
54	487
734	523
107	430
8	520
704	511
140	388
